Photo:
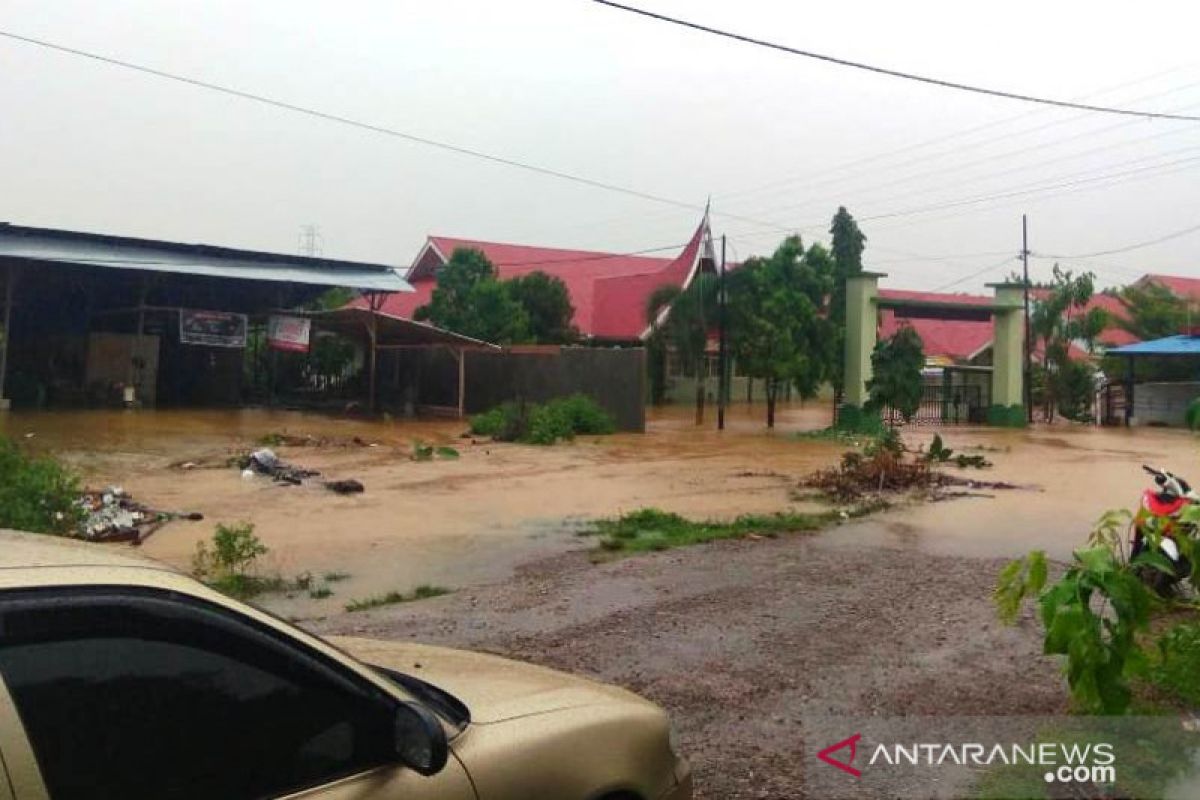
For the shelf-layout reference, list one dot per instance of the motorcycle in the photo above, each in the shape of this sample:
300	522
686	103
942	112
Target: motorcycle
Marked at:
1162	507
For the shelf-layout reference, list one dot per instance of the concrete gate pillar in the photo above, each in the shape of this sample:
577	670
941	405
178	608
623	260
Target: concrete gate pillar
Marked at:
1008	357
861	331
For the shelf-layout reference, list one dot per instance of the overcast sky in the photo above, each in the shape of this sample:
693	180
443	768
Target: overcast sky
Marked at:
777	140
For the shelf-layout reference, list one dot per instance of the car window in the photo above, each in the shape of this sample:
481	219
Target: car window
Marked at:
139	696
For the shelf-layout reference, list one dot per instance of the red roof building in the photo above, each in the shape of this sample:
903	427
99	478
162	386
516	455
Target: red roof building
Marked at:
956	341
946	341
609	291
1186	288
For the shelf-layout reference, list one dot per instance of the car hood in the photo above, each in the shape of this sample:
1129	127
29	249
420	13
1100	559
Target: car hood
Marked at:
493	688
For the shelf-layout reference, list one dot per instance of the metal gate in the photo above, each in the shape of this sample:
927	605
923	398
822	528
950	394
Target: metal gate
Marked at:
1113	401
943	403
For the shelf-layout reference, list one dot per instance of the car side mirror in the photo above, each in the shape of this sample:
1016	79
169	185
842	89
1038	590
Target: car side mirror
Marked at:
420	739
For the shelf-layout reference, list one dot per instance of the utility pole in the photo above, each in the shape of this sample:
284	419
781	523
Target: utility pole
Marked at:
721	345
1028	333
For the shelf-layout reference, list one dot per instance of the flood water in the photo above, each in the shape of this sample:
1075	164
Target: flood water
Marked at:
475	518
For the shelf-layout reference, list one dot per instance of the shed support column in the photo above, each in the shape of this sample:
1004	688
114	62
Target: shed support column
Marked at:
10	280
1008	371
134	382
861	331
373	334
374	303
1129	374
462	383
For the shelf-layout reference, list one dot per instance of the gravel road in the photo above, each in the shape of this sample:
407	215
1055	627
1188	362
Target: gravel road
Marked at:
739	640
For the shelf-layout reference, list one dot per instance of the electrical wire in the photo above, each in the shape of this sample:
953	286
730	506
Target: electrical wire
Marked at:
1165	238
976	274
833	172
946	84
953	168
592	257
366	126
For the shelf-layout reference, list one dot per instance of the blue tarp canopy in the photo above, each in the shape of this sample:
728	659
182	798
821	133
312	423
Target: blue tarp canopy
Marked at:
1181	345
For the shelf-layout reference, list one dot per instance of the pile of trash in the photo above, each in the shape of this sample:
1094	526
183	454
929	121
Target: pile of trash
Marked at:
112	515
265	462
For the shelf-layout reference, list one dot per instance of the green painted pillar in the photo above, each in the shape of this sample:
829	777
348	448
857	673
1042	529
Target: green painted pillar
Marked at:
861	329
1008	356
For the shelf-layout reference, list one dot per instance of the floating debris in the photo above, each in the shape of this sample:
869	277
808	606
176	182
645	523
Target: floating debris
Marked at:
112	515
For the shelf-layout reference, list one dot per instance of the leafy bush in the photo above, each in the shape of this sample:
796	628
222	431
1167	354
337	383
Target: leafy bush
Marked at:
1193	414
228	564
504	423
562	418
586	416
548	424
1092	615
1179	662
36	494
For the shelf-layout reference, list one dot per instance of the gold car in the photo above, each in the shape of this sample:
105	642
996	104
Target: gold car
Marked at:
122	679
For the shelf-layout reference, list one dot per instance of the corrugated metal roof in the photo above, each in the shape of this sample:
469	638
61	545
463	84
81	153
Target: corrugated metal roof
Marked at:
50	246
392	330
1180	345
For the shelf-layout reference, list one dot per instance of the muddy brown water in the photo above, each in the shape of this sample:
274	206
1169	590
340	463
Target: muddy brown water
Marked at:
473	520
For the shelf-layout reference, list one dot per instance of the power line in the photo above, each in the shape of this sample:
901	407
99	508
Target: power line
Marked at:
959	134
946	84
1103	181
1035	189
954	168
1166	238
976	274
366	126
593	257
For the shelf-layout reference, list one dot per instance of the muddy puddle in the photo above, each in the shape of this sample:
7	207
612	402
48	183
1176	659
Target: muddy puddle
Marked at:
1068	476
474	519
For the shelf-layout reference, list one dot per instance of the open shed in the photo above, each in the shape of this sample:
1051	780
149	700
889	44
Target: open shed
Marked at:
1159	402
387	340
93	318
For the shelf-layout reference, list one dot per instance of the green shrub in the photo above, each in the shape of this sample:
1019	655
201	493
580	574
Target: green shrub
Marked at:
544	424
36	494
1193	414
586	416
548	424
505	423
1178	663
228	563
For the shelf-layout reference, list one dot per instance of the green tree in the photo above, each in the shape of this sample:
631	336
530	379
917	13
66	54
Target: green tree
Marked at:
847	244
779	323
332	298
1058	319
896	368
548	304
471	301
679	321
1152	311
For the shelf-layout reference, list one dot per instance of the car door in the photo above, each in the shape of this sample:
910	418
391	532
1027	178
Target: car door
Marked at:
128	693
